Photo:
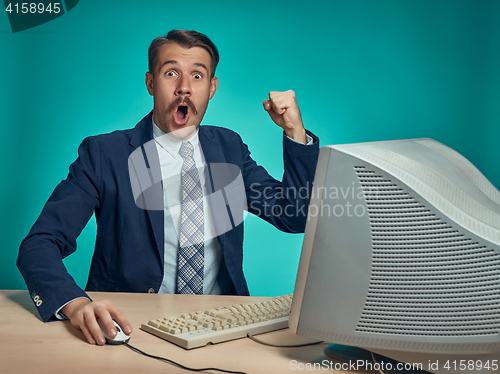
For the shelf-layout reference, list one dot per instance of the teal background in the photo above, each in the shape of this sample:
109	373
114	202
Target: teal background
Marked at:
362	71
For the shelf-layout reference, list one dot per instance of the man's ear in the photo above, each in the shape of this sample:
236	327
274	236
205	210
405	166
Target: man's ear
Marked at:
214	83
149	82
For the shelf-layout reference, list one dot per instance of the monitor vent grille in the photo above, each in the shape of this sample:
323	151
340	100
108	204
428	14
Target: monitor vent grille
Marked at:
427	278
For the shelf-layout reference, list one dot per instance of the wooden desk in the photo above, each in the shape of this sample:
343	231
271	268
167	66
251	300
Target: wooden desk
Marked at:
29	346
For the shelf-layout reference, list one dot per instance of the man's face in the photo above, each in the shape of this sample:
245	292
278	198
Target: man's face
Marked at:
181	88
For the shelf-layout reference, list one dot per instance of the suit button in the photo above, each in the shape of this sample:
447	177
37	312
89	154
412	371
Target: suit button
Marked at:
39	302
151	290
36	298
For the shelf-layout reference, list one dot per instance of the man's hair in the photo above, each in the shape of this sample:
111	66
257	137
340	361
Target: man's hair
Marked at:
186	39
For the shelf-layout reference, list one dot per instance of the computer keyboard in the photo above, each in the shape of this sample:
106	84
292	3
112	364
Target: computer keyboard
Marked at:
217	325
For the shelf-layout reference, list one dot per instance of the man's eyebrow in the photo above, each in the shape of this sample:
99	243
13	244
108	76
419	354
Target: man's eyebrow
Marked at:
201	65
174	62
167	62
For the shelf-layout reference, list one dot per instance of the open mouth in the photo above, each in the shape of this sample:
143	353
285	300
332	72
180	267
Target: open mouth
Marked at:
182	110
181	114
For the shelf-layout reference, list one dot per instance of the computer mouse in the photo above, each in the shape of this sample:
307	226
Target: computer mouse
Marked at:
120	338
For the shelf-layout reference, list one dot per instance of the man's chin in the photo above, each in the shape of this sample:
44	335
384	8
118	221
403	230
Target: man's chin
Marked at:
184	132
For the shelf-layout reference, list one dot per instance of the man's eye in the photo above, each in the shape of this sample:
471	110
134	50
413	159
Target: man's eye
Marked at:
170	73
197	76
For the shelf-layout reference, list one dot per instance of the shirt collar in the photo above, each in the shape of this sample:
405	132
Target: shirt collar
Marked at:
170	143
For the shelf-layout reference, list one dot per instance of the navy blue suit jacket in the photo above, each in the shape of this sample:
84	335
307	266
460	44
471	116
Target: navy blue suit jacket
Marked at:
129	247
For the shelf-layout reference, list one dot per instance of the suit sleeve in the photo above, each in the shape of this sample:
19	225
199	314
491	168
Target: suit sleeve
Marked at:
283	204
54	234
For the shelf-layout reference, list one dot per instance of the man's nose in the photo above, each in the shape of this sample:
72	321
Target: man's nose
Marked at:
183	87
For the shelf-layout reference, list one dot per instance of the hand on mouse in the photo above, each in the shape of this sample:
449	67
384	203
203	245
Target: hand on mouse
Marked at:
84	313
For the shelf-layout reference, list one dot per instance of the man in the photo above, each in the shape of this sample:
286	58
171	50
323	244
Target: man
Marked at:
137	250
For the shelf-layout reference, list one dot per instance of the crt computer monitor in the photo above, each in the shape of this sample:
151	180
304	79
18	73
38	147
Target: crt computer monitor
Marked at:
401	256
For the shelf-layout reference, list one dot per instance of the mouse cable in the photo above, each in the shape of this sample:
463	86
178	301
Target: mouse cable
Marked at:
282	346
375	361
177	364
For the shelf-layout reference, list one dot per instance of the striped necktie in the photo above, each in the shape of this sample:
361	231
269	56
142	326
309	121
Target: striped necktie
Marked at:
191	260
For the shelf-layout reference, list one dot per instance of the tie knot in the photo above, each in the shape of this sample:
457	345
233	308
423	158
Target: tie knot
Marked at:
186	150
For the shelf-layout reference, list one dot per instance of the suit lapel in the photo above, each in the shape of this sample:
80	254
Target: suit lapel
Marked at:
212	151
143	134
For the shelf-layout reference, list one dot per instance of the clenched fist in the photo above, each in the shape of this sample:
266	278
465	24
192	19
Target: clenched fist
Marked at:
284	111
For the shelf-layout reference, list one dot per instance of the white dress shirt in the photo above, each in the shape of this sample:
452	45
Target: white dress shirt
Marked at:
171	166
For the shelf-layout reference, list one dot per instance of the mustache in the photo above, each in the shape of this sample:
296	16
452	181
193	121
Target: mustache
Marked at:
182	100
